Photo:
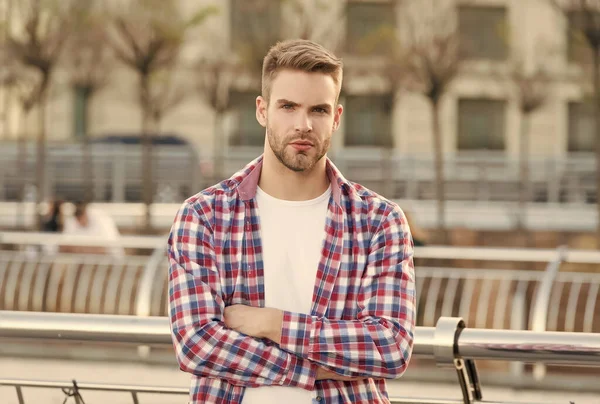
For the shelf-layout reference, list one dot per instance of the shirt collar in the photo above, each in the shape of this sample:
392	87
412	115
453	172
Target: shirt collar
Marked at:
249	176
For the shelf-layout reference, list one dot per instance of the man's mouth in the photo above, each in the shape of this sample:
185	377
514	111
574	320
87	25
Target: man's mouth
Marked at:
302	145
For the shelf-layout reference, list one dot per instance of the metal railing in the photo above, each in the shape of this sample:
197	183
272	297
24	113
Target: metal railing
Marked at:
180	171
450	344
462	214
517	298
74	389
82	283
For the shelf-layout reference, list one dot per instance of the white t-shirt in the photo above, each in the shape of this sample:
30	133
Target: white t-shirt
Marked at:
292	234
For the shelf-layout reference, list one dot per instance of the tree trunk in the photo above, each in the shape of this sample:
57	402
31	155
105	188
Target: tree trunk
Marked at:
596	73
523	171
40	177
88	164
7	93
439	172
147	180
218	148
22	171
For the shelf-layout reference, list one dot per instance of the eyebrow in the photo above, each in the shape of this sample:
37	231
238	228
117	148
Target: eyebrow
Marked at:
284	101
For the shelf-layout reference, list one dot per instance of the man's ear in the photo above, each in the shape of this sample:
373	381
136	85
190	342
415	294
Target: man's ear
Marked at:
337	116
261	111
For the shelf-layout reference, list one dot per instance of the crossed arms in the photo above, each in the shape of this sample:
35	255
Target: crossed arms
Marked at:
252	347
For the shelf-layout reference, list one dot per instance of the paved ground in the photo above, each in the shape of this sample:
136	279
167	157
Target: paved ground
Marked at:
159	375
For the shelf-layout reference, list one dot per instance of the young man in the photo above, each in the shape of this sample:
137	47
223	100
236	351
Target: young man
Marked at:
288	283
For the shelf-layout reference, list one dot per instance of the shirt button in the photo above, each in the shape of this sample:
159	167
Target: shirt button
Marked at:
319	398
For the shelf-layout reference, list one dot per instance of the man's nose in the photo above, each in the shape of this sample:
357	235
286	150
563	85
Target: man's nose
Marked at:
303	122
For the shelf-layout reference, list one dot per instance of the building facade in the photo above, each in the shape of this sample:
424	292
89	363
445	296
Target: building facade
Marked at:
479	113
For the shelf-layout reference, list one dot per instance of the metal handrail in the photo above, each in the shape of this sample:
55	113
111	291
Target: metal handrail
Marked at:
490	215
144	299
528	346
442	252
31	238
134	390
95	386
508	254
542	302
137	284
449	343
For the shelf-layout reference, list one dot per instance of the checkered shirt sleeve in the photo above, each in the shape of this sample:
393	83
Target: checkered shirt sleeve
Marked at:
204	346
379	342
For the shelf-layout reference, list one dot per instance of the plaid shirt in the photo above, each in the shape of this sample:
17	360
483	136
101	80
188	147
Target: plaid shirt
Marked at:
362	318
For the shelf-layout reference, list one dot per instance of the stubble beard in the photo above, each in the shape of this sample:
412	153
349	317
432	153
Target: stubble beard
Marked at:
297	161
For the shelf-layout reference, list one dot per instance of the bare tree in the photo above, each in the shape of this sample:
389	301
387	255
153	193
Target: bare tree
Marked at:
319	21
215	80
5	28
428	63
147	36
256	26
37	43
25	84
89	63
584	21
532	90
166	93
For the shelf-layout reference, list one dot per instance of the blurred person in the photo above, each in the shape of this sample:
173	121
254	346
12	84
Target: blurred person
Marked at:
54	220
51	223
248	319
88	221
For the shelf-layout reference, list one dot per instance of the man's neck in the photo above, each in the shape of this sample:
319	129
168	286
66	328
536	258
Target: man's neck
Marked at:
282	183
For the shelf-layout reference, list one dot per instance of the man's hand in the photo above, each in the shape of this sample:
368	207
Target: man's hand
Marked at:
324	374
255	321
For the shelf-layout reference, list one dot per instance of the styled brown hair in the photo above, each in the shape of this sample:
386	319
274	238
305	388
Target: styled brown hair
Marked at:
299	54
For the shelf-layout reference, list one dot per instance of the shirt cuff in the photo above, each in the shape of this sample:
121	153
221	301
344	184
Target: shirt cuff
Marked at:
296	333
302	373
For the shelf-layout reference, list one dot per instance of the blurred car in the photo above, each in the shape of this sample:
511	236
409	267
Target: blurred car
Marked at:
167	139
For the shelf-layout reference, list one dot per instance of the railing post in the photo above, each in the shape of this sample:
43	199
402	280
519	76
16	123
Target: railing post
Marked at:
118	175
553	180
518	322
447	355
542	301
20	395
412	179
144	296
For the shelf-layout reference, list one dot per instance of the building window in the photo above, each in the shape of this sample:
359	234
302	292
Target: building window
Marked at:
483	32
255	26
80	113
481	124
247	131
370	27
368	120
581	127
578	48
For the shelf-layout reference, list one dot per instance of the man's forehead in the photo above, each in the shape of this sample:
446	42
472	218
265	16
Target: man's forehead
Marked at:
304	88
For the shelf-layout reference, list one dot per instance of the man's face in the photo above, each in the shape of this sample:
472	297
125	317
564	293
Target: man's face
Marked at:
300	118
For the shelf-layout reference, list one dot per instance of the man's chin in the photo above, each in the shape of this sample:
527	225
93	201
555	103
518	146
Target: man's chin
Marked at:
298	163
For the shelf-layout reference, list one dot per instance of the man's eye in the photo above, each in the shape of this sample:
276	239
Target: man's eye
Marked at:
287	106
320	110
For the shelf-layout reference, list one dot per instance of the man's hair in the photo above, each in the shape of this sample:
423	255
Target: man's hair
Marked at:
303	55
